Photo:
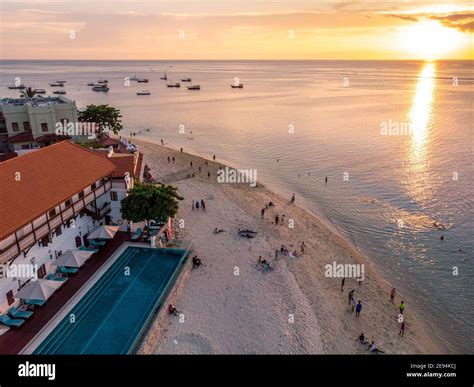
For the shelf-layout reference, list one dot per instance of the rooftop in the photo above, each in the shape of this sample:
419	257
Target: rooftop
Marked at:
35	183
37	101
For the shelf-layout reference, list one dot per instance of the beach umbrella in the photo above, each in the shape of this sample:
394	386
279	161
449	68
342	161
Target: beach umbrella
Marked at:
73	258
39	290
104	232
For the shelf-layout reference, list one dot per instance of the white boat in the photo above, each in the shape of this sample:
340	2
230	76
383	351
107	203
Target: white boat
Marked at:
237	85
21	86
176	84
194	87
164	77
56	84
59	92
143	92
40	91
102	81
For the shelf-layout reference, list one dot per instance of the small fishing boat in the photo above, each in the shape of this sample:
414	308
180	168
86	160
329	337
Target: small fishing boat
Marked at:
91	84
59	92
237	85
186	80
194	87
56	84
100	88
143	92
164	77
142	80
61	82
40	91
134	78
176	84
102	81
21	86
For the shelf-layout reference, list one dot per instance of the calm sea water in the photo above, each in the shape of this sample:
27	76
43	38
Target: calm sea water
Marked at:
324	118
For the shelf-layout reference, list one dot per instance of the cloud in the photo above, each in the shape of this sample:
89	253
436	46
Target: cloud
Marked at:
460	21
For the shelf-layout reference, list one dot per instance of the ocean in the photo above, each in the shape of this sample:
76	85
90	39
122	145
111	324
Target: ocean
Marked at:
394	139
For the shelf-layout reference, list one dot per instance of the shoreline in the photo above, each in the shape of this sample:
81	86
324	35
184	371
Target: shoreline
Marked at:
324	323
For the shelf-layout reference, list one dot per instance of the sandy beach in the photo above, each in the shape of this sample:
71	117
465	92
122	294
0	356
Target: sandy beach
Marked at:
229	306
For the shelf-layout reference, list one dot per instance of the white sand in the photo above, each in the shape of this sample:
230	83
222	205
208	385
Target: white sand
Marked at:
292	309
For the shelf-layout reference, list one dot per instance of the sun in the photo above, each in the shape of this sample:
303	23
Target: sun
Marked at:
429	40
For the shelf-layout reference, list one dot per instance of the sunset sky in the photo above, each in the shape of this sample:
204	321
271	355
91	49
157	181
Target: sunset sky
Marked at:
236	29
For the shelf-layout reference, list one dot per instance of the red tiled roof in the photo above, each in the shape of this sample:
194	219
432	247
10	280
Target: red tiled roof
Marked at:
21	137
124	162
47	177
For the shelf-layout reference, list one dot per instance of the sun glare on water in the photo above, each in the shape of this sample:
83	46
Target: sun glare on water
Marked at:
429	40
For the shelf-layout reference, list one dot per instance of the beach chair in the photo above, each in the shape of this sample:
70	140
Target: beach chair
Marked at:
11	322
56	277
35	302
85	248
137	234
68	270
97	243
23	314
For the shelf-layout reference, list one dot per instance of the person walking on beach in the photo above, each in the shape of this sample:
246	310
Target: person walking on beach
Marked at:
169	160
208	174
402	329
262	212
353	305
214	157
351	295
326	181
193	206
292	198
358	309
191	164
162	142
199	169
181	150
361	339
303	246
342	284
392	295
203	205
402	306
173	159
277	219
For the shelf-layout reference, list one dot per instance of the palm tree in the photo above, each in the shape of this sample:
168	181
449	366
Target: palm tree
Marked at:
29	92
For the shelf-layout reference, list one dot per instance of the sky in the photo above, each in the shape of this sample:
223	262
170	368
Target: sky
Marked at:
236	29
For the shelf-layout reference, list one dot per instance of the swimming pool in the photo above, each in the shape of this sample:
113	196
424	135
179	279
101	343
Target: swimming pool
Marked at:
112	316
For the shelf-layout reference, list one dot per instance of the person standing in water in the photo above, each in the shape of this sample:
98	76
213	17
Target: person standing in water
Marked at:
214	157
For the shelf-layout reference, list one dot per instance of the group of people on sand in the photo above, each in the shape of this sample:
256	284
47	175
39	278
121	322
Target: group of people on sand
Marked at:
171	159
286	252
370	346
263	264
196	204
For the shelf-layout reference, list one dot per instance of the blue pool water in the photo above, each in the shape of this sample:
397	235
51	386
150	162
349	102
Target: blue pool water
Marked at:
113	314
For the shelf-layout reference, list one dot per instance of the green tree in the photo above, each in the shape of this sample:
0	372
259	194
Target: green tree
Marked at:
104	116
29	92
146	202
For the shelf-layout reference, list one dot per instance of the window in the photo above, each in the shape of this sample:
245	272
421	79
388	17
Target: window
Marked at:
52	213
64	121
25	146
93	186
67	203
81	194
15	127
78	241
42	271
113	196
44	126
26	126
10	298
58	231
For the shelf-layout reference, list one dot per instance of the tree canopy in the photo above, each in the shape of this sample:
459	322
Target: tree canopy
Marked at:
104	116
146	202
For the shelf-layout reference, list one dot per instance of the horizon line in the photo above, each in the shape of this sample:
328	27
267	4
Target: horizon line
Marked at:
233	60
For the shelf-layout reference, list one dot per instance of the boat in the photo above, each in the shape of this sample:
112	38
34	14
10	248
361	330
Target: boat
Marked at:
134	78
56	84
40	91
59	92
62	82
176	84
186	80
237	85
21	86
100	88
102	81
164	77
142	80
143	92
194	87
91	84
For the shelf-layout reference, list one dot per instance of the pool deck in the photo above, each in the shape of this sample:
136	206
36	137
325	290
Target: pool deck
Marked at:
13	341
